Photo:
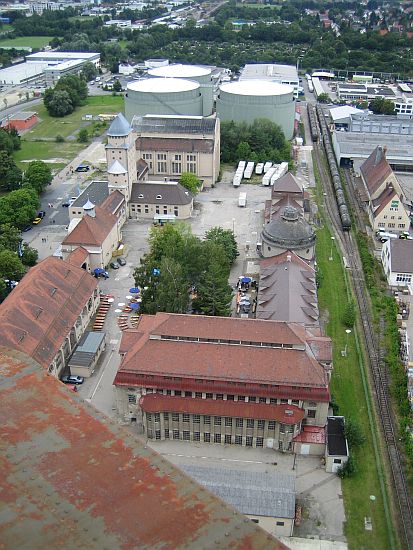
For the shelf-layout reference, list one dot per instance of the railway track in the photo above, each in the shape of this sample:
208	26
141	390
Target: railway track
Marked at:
378	369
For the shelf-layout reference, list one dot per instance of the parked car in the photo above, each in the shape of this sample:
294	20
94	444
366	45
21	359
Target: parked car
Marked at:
114	265
66	204
68	379
27	228
41	214
82	168
36	221
121	261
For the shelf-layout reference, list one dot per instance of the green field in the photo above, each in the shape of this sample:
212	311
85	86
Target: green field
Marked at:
39	143
349	390
26	41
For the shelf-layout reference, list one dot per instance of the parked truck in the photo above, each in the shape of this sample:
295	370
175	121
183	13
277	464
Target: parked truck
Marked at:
249	170
242	200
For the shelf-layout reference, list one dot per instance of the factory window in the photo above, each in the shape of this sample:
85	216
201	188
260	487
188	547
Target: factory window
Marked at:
175	434
185	417
262	400
248	441
162	168
166	416
149	416
176	167
175	417
228	439
250	423
176	211
217	421
207	437
208	395
197	436
157	209
207	420
261	424
191	163
241	398
282	428
402	225
157	417
186	435
230	397
217	438
273	401
228	422
197	418
280	523
157	434
239	422
238	440
311	413
260	442
165	209
295	402
132	398
252	399
166	434
219	396
177	157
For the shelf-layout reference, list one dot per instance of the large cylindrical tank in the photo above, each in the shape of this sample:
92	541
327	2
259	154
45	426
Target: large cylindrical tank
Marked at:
189	72
246	100
163	96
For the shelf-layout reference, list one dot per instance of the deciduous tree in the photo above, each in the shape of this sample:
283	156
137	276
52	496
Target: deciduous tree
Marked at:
190	182
38	175
10	266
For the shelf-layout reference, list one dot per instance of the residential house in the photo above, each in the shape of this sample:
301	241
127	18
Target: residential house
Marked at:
397	260
382	193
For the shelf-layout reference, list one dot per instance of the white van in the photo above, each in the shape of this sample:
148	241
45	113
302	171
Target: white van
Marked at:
242	200
383	237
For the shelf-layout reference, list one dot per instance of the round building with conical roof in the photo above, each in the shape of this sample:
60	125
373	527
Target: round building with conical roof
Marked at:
290	231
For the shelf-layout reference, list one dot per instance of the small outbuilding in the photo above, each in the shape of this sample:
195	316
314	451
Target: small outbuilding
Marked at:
21	121
87	353
337	453
266	498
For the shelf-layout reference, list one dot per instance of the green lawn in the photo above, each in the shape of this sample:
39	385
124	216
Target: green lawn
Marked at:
39	143
29	41
348	389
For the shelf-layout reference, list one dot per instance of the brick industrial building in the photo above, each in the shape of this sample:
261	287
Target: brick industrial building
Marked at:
224	380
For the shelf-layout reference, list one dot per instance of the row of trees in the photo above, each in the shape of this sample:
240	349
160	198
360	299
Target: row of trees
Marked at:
180	265
260	141
70	92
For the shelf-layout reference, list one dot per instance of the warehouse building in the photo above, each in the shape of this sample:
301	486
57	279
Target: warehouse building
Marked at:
248	100
213	395
353	148
267	498
54	58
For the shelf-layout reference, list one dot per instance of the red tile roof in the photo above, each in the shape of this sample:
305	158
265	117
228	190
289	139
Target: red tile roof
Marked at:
286	414
375	170
113	202
73	478
383	200
228	328
38	314
92	231
255	364
311	434
78	256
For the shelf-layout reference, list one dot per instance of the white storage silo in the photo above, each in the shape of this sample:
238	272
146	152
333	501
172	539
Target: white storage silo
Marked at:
163	96
244	101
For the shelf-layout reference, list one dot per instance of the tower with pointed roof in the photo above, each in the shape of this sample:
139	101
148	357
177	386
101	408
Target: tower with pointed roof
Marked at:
120	157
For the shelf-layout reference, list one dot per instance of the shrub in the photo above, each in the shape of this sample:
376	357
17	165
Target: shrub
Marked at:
60	139
348	469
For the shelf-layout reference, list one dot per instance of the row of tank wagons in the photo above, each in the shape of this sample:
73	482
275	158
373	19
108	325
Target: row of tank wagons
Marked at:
270	172
335	175
313	123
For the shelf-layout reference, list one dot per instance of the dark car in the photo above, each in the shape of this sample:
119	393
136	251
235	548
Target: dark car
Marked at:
114	265
41	214
27	228
66	204
72	379
121	261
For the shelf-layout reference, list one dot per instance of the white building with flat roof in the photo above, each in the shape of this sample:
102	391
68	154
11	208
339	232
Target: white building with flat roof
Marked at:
22	73
272	72
54	58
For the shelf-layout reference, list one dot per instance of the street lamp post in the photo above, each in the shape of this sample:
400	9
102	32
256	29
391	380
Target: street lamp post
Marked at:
331	249
233	225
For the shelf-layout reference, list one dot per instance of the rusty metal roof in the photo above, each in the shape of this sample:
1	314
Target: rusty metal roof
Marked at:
72	478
